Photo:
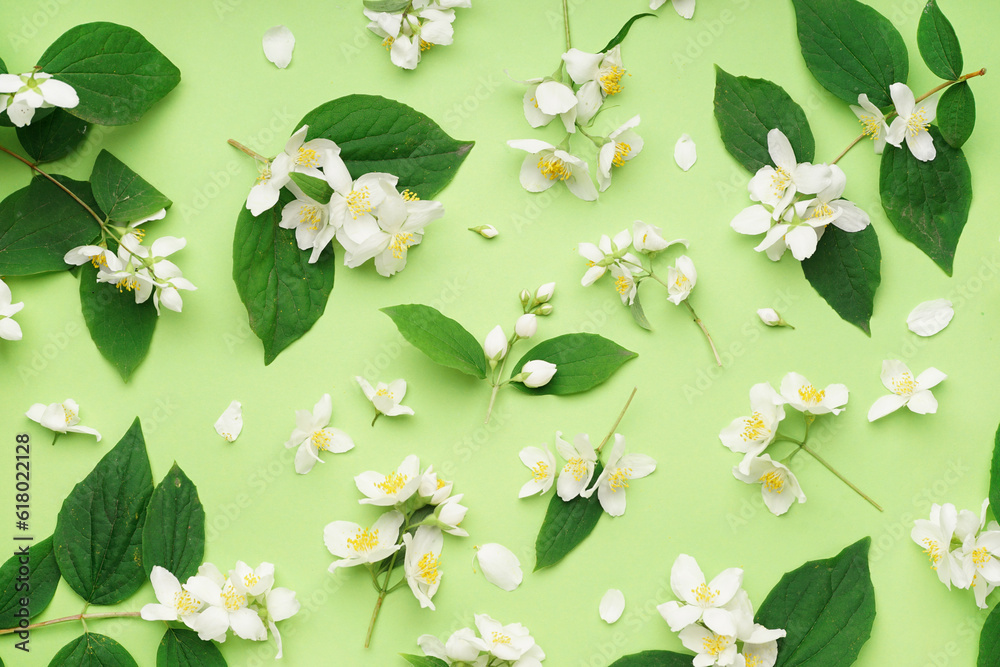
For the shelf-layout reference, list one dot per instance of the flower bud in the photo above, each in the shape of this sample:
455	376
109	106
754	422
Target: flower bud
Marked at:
538	373
771	318
486	231
544	293
525	298
526	326
496	344
544	309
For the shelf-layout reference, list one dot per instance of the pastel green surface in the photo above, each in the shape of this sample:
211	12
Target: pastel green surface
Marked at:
259	509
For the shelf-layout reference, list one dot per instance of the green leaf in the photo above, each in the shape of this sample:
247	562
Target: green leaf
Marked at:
92	650
423	661
124	195
654	659
312	187
956	114
378	134
174	534
41	582
623	33
40	223
747	109
846	271
995	474
566	524
638	314
386	5
938	43
121	328
98	538
182	648
928	202
52	137
117	74
283	293
851	49
441	338
827	607
582	361
989	639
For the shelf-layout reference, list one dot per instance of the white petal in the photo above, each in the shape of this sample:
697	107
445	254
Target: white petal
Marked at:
230	424
683	7
923	403
554	97
885	405
930	317
685	152
278	44
500	566
612	605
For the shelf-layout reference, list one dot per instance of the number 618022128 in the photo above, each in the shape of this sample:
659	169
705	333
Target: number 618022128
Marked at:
22	481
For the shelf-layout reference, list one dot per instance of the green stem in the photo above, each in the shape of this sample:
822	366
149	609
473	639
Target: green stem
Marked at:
704	330
375	418
383	591
565	7
618	421
495	378
597	142
829	467
59	185
75	617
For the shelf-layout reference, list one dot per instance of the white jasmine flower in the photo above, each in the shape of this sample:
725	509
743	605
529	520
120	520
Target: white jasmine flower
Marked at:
506	642
776	186
625	284
434	489
526	325
537	373
310	157
127	271
935	535
312	435
34	90
930	317
9	329
913	392
251	581
873	121
278	43
421	563
580	458
612	605
804	397
545	99
760	644
614	479
598	75
173	602
649	238
912	122
227	607
685	152
230	424
392	489
714	643
419	28
683	7
978	558
688	583
450	514
542	464
546	164
60	417
500	566
97	255
401	224
495	345
311	222
606	253
622	145
279	605
272	176
386	397
355	545
463	646
779	486
681	279
354	202
752	434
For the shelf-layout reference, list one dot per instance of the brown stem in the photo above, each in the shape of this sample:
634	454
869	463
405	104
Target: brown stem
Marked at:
617	421
62	187
74	617
255	155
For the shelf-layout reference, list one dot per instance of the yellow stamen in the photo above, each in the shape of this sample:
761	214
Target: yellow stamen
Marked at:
905	385
387	42
541	471
233	600
425	45
981	556
128	283
409	195
250	580
400	242
933	550
622	151
917	122
139	234
500	638
392	484
310	215
681	282
871	125
754	428
773	481
441	483
553	168
427	568
265	173
307	157
359	202
715	644
822	211
185	603
364	541
623	285
576	467
810	396
619	479
384	392
704	595
99	260
780	181
611	80
68	414
321	440
752	660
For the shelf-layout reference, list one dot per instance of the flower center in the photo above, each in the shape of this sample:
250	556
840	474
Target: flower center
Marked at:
128	283
359	202
553	168
409	195
441	483
185	603
704	595
681	282
611	80
904	385
425	45
752	660
69	415
622	151
387	42
364	541
427	568
541	471
385	393
310	215
773	481
500	638
623	285
917	122
715	644
871	126
980	556
233	600
933	550
754	428
810	396
265	173
400	242
321	440
780	181
99	260
250	580
393	483
619	479
307	157
822	211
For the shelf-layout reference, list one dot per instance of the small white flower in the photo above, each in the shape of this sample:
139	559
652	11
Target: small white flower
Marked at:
495	345
500	566
312	436
913	392
279	605
779	486
606	253
355	545
935	535
649	238
230	424
506	642
685	152
60	417
450	514
542	464
463	646
311	157
804	397
354	203
227	607
873	121
681	279
271	177
752	434
714	643
311	222
174	603
622	146
912	122
32	91
930	317
776	186
545	165
598	75
526	326
393	489
580	458
688	583
545	99
625	283
685	8
421	563
386	397
615	477
278	43
537	373
612	605
486	231
434	489
9	329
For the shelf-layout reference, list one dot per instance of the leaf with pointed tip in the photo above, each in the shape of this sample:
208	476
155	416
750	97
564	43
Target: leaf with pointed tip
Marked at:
174	534
52	137
566	525
42	580
938	43
623	33
956	114
441	338
124	195
315	188
846	271
582	361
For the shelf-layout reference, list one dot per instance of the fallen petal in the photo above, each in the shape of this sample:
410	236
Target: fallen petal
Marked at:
685	152
930	317
612	605
500	566
278	44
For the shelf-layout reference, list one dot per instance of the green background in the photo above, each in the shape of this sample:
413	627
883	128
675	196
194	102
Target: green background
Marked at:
259	509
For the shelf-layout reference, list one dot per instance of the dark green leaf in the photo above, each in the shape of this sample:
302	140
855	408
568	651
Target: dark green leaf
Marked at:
851	49
566	524
52	137
995	477
846	271
3	67
928	202
377	134
174	534
315	188
182	648
386	5
956	114
938	43
638	314
283	293
654	659
582	361
441	338
623	33
92	650
117	74
123	194
121	328
747	109
827	607
41	582
423	661
40	223
989	639
98	538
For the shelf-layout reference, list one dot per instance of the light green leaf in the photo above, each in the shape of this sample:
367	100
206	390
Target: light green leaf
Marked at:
42	581
92	650
956	114
52	137
423	661
174	534
183	648
928	202
566	525
846	271
638	314
40	223
827	608
582	361
117	74
995	477
851	49
441	338
378	134
98	538
654	659
283	293
623	33
938	43
386	5
747	109
124	195
312	187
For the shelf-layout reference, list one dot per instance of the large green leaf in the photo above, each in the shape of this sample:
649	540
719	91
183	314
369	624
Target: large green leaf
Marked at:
928	202
995	475
98	538
826	607
846	271
121	329
989	639
582	361
938	43
123	194
40	223
386	5
283	293
41	582
183	648
623	33
117	74
441	338
654	659
851	49
52	137
747	109
92	650
174	534
378	134
423	660
566	524
956	114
